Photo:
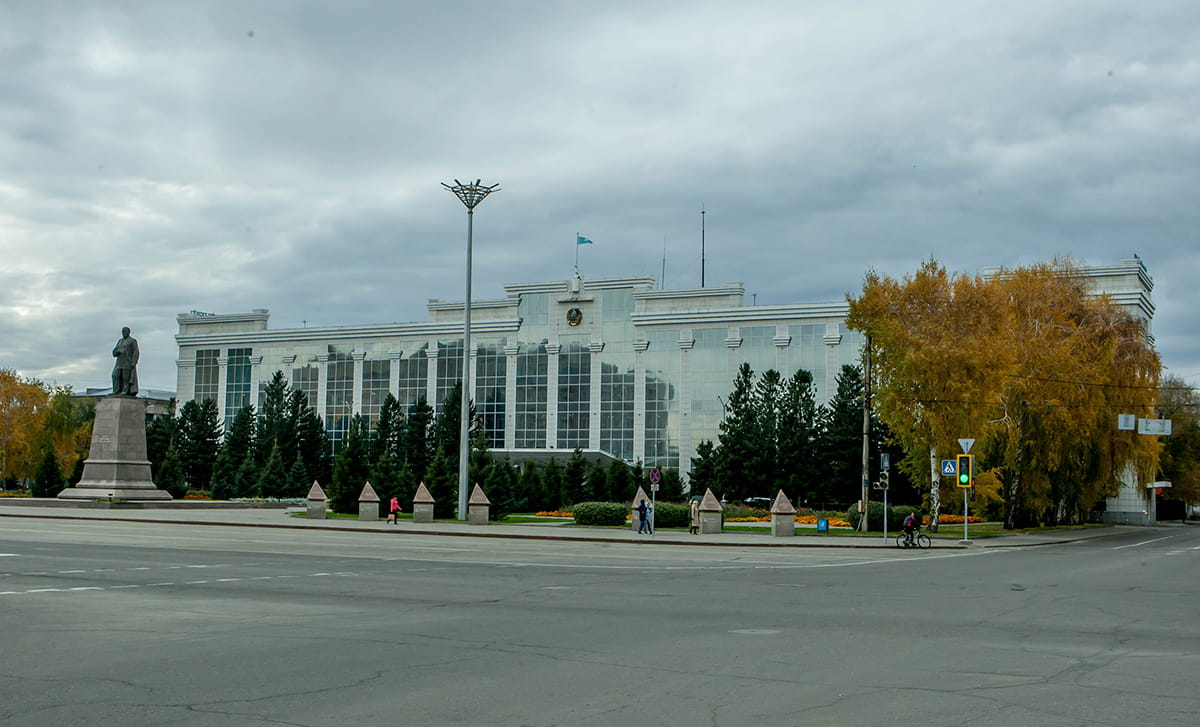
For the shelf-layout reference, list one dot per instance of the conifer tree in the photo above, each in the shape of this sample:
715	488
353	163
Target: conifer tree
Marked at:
273	481
48	481
351	469
198	438
170	475
417	448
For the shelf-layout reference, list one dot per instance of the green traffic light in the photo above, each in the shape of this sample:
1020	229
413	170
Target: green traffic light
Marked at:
963	477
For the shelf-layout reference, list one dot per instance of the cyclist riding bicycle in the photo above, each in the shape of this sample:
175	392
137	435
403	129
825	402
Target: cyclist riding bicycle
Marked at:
911	524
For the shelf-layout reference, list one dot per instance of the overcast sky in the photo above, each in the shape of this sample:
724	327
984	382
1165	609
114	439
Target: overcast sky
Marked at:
161	157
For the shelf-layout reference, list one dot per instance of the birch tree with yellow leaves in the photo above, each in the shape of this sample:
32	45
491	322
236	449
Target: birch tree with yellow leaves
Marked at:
1030	364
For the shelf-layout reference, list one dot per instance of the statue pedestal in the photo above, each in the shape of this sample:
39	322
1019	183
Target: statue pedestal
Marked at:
116	466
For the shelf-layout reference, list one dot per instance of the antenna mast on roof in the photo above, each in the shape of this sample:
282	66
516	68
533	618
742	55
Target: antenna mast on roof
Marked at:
702	245
662	280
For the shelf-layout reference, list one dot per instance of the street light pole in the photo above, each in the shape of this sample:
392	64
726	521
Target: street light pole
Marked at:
470	194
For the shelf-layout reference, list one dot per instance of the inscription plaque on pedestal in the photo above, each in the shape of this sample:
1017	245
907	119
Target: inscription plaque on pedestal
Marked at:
117	466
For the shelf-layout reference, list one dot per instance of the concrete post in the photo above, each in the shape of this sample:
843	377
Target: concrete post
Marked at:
422	505
783	517
710	514
478	507
368	503
316	502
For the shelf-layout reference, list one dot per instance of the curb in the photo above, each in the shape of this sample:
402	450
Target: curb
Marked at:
512	536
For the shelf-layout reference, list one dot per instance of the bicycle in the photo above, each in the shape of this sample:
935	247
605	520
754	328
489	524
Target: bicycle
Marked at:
919	540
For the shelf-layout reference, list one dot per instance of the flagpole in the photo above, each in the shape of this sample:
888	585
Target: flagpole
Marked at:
577	254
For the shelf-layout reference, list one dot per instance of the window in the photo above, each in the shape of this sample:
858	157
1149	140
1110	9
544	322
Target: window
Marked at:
207	373
574	395
490	369
339	395
237	382
449	369
412	370
374	389
531	396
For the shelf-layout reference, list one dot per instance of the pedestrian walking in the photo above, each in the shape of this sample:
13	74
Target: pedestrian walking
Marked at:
393	511
644	518
694	517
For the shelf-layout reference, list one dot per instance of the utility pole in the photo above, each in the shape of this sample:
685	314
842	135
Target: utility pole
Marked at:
866	441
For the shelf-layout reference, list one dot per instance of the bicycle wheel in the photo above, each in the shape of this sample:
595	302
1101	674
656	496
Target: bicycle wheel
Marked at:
900	541
923	541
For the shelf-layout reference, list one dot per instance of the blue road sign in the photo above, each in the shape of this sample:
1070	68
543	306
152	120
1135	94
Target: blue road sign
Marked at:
655	475
949	468
885	461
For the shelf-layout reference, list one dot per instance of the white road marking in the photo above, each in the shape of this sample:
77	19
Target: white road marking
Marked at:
1144	542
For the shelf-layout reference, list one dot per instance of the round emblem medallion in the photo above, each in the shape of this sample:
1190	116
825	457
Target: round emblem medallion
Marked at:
574	316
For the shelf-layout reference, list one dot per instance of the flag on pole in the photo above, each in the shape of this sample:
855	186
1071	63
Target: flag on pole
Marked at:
581	240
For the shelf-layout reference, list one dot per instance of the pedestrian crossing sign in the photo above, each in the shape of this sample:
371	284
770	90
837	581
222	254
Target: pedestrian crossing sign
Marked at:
949	468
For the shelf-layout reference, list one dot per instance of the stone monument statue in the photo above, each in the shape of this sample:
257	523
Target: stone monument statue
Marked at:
117	467
124	373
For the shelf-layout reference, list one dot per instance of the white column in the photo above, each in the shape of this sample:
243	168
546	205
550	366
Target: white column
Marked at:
222	386
733	343
288	362
431	353
596	348
255	366
639	400
394	357
782	341
510	395
552	350
686	448
322	384
833	338
185	380
357	385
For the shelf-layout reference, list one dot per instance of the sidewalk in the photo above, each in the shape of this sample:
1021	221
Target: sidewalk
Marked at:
248	515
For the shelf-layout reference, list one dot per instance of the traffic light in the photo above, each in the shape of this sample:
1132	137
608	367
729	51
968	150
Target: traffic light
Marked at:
883	479
966	470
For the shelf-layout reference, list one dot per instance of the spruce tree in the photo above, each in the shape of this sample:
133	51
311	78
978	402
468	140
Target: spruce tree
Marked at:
239	445
417	450
199	435
351	469
575	477
798	432
841	442
273	481
170	475
48	481
556	487
441	479
739	453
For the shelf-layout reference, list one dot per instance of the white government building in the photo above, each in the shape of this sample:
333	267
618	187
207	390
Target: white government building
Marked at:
611	364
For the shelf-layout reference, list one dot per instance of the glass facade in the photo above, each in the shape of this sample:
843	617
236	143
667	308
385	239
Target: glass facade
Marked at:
306	378
640	374
490	375
532	362
449	369
758	348
807	352
662	401
339	394
237	382
574	394
413	369
208	372
374	389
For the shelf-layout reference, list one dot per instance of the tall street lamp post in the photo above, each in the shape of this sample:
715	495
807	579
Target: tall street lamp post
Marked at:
470	194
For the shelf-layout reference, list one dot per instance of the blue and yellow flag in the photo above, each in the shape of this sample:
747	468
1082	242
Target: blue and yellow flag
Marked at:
581	240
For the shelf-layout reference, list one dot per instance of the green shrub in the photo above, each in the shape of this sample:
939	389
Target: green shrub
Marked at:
600	513
895	518
671	515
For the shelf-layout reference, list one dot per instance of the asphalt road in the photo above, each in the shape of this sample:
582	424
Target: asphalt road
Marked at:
115	623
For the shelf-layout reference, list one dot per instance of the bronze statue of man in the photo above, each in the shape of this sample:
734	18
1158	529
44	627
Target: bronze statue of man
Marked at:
124	374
